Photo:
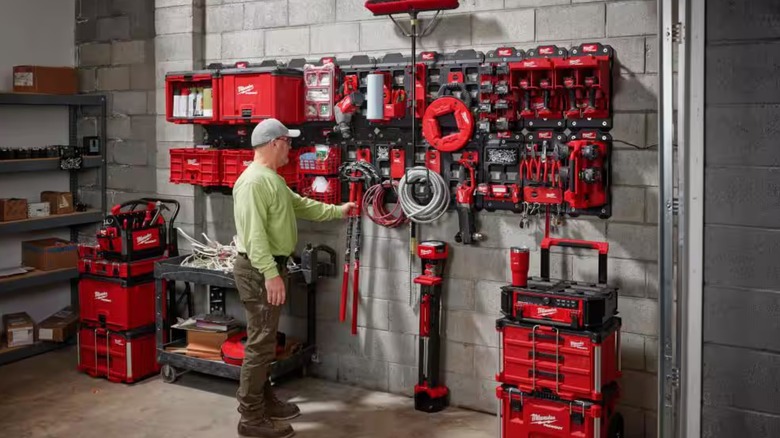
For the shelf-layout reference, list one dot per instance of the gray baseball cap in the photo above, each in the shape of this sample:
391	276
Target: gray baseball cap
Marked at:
270	129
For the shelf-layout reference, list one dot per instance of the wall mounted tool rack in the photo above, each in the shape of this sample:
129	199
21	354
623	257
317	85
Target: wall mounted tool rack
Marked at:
528	106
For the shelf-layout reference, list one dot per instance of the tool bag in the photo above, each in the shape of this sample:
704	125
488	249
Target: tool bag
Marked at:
130	233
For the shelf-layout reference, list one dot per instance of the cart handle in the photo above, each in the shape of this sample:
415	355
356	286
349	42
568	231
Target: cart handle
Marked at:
601	247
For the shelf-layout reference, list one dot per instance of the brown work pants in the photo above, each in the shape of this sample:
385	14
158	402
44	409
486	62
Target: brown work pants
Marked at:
262	323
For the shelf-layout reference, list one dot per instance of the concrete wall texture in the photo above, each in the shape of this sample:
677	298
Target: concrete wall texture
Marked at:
187	34
741	298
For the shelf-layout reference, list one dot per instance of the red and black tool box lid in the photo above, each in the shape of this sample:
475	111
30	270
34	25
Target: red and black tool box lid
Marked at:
596	335
579	290
267	66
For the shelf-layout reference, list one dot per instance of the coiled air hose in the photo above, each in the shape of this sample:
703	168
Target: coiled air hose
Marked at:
440	195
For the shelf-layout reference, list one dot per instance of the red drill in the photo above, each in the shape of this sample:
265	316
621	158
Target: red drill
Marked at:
519	258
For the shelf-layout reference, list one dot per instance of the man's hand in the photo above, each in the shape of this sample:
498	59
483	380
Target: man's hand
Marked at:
346	208
276	292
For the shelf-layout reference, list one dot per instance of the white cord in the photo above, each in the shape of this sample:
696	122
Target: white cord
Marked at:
439	202
212	255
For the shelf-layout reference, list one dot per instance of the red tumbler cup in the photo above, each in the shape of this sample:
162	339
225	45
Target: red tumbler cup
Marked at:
519	258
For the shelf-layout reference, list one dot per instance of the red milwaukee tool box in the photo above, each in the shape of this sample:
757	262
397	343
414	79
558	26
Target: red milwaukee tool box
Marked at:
525	415
571	363
118	269
234	163
196	166
119	356
117	304
563	303
192	96
254	93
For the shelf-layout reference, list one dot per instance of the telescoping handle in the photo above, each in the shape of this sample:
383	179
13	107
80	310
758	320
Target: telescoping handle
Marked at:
601	247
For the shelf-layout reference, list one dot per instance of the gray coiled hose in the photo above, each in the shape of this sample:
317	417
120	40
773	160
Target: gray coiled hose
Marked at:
440	199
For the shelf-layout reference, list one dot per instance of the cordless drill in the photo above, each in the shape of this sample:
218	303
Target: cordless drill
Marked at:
429	394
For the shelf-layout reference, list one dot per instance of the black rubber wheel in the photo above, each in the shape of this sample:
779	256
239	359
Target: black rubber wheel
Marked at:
169	374
616	427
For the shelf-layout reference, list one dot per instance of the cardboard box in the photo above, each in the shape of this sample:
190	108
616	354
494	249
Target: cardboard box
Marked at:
60	326
207	342
19	329
59	202
50	254
13	209
38	209
45	80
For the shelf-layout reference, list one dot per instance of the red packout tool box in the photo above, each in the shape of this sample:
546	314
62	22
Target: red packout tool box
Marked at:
563	303
572	364
119	356
524	415
254	93
198	166
90	262
192	96
117	304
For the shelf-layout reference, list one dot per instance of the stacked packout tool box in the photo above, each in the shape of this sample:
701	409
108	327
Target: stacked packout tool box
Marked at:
559	357
117	290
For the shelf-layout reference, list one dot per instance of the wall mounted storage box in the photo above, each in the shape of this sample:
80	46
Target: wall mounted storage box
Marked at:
256	93
192	97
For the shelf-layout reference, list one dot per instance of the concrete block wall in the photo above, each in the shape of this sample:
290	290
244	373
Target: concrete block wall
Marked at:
188	34
384	353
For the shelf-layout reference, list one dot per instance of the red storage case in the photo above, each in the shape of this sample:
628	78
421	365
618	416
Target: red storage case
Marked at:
234	162
119	356
310	165
192	96
573	364
255	93
196	166
330	196
117	304
117	269
524	415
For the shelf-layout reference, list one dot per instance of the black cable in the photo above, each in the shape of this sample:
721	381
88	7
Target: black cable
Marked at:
636	146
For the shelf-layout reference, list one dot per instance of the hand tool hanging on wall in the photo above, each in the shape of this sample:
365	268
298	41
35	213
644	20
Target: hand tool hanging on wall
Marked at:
464	197
361	175
429	394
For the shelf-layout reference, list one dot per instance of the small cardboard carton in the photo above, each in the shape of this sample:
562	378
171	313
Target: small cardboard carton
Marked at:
19	329
50	254
59	202
13	209
60	326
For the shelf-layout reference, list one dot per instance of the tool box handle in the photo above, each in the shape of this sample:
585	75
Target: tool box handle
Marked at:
601	247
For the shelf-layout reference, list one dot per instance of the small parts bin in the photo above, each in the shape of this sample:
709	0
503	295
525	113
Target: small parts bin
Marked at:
192	97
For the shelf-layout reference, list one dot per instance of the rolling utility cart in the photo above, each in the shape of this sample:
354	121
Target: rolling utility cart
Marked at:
168	271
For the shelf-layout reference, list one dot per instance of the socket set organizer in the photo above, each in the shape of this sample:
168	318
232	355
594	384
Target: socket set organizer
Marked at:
535	120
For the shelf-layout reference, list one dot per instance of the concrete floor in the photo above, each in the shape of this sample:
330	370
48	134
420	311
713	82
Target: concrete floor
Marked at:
45	396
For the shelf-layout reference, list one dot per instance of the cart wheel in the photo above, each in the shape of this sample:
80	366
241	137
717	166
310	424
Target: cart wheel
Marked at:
169	374
615	427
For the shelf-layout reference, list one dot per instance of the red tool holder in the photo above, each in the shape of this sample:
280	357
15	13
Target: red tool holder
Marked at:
124	357
585	78
192	97
332	195
572	364
254	93
498	101
541	105
116	303
310	165
196	166
319	91
588	170
524	415
540	167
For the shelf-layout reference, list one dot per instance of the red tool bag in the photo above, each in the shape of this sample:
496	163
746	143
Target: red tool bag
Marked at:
572	364
526	415
130	234
119	356
233	349
116	303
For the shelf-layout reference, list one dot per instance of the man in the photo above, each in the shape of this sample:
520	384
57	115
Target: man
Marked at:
265	212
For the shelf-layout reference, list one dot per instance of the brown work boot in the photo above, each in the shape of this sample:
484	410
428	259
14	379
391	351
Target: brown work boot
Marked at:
277	409
264	428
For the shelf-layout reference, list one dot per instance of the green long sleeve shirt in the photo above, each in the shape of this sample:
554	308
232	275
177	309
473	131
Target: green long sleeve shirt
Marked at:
265	212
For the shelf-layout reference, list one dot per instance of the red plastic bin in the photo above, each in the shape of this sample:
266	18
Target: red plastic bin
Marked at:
290	170
573	364
524	415
255	93
234	162
118	356
328	166
331	196
117	304
192	83
196	166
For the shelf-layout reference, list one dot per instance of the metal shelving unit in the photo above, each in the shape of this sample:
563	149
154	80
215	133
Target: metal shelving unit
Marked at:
75	104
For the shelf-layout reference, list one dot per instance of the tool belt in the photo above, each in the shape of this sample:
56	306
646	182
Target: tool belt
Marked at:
280	260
